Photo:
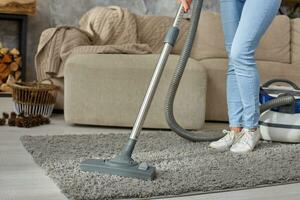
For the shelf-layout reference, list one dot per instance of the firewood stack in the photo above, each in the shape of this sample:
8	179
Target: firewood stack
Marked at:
10	68
27	7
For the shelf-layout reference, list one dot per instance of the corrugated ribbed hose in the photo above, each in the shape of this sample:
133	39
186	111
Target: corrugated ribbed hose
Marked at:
280	101
198	136
185	54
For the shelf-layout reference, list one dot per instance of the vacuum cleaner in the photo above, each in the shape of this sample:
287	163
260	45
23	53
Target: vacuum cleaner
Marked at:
280	123
123	164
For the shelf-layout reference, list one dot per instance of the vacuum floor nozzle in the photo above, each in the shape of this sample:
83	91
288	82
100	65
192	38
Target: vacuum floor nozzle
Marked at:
132	170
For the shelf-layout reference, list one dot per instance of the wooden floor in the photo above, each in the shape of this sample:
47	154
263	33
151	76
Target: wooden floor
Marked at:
22	179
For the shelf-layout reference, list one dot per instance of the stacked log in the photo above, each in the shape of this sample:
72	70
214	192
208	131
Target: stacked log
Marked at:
27	7
10	68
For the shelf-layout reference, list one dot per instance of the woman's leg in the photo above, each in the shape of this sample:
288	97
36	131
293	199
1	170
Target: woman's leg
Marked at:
231	11
256	17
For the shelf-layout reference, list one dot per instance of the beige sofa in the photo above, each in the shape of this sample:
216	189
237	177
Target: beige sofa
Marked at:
278	56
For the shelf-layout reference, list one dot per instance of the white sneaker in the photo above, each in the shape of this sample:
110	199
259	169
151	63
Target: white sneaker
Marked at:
225	142
247	141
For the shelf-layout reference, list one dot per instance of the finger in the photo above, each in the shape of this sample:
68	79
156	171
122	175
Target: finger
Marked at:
185	5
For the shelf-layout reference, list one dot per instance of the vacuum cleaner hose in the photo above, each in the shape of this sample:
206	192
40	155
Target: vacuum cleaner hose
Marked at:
280	101
175	81
185	54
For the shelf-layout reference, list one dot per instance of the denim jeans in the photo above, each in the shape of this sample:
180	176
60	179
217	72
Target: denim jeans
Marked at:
244	23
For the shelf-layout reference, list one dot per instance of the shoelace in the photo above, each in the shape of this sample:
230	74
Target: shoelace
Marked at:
227	136
247	137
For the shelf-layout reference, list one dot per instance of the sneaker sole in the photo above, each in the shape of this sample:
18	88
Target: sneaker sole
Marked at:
220	149
241	152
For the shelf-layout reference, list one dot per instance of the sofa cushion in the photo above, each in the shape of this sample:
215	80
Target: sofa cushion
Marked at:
152	30
295	45
276	43
209	41
109	89
216	106
274	46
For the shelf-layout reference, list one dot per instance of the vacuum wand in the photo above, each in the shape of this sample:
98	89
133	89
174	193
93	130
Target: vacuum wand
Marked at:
170	40
123	164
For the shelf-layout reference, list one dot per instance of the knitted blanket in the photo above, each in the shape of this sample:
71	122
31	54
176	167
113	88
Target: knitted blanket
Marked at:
102	30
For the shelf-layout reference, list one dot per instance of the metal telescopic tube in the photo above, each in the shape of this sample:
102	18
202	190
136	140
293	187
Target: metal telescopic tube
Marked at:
179	16
154	81
150	92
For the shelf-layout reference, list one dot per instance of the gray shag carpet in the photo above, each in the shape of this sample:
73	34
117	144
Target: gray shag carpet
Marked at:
182	166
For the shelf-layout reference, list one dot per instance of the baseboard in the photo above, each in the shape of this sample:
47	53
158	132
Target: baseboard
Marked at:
58	111
5	94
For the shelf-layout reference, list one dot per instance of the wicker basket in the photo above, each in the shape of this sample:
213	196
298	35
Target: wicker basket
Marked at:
34	98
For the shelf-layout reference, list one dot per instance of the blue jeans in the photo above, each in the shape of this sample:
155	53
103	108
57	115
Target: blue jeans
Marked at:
244	23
